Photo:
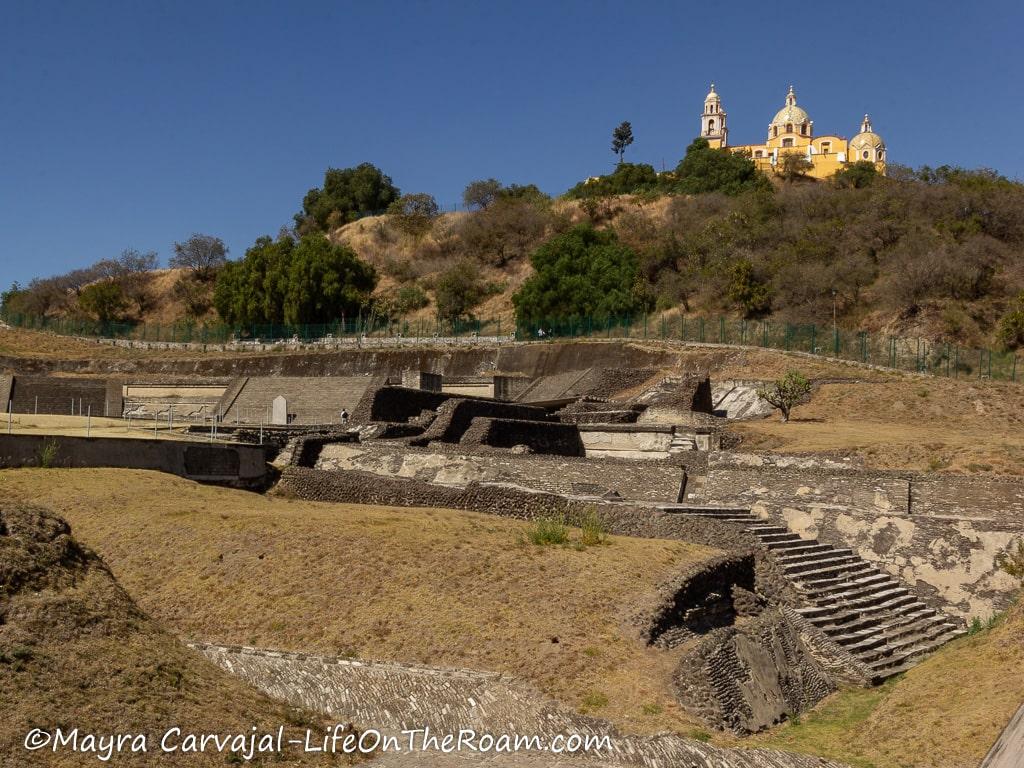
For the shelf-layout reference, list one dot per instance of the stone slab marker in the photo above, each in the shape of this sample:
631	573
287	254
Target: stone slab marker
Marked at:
279	410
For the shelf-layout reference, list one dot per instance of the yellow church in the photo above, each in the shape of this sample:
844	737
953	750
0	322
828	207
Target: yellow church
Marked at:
792	130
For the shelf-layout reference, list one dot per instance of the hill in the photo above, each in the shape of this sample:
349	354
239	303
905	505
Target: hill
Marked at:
75	651
934	253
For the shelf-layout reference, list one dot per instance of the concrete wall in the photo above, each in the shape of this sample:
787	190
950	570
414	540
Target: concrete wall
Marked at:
235	465
939	533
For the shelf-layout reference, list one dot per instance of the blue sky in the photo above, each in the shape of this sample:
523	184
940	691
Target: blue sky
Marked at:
134	124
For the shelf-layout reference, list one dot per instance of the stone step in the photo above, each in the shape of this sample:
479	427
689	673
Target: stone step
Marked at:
853	569
766	528
834	584
888	631
798	557
846	589
782	553
883	621
795	569
903	660
888	600
774	546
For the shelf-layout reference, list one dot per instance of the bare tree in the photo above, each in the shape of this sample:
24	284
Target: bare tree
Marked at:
202	254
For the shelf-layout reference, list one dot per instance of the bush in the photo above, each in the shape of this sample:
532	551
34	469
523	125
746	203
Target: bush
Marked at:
1010	333
104	300
414	214
48	454
627	179
458	290
193	293
548	530
583	272
704	169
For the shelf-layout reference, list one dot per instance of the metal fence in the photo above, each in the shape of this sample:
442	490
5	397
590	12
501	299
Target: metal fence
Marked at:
901	353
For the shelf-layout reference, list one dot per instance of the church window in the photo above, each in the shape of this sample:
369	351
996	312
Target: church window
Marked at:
759	153
826	147
711	126
789	127
776	130
803	128
864	154
787	142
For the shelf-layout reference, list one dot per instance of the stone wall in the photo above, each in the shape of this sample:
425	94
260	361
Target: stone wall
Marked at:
753	676
702	599
59	394
235	465
455	415
939	533
539	436
655	481
395	404
393	697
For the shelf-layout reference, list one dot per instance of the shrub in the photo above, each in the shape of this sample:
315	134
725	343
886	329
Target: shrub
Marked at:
595	700
458	290
1010	332
547	530
704	169
348	193
414	214
104	300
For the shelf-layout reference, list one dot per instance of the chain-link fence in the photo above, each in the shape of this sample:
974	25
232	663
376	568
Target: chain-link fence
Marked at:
908	354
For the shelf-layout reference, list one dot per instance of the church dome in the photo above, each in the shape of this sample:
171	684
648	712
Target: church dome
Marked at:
712	96
867	138
790	114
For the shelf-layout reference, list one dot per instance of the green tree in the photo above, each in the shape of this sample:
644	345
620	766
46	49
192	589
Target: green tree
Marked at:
480	194
786	393
347	194
622	137
414	214
458	290
794	165
310	280
582	272
12	301
704	169
856	175
1011	559
627	179
104	300
750	292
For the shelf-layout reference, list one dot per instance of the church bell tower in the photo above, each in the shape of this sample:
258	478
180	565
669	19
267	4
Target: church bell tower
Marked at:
712	121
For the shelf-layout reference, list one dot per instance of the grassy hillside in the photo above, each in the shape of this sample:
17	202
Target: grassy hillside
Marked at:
75	651
944	713
428	586
932	254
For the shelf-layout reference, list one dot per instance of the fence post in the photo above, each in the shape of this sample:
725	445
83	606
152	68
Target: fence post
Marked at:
721	329
1013	372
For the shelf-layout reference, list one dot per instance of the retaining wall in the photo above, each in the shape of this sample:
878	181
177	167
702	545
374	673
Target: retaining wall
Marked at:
939	533
235	465
455	415
539	436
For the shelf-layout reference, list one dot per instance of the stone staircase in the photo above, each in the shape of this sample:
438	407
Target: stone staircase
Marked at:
866	611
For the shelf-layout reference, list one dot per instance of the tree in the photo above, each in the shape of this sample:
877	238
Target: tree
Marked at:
749	291
346	195
627	179
12	300
309	280
856	175
704	169
202	254
105	300
622	137
132	270
458	290
504	231
794	165
480	194
414	214
787	393
583	272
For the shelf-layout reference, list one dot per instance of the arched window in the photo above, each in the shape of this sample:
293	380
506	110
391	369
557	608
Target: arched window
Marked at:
803	128
711	126
758	153
864	154
826	147
776	131
881	155
787	142
789	127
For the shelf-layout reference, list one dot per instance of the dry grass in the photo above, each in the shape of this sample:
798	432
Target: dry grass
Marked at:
907	423
75	652
418	585
944	713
